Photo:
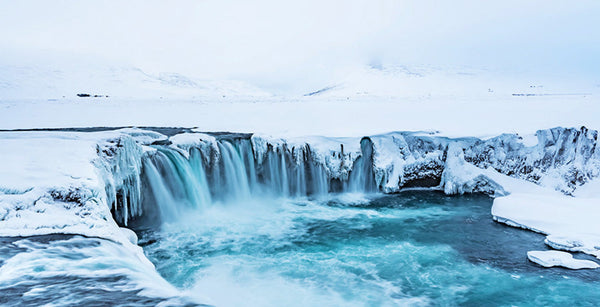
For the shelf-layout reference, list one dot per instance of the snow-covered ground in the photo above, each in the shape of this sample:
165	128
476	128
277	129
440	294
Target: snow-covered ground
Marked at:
311	116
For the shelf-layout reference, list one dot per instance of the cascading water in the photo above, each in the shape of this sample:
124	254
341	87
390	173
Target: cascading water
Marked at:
232	174
176	181
362	178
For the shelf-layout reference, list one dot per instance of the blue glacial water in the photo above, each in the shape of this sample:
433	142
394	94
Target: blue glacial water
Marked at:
416	248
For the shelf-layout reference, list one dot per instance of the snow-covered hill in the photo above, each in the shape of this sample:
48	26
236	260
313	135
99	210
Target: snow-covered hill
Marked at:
452	82
58	77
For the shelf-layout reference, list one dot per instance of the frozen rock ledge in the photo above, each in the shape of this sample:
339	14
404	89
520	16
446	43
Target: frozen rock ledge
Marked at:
557	258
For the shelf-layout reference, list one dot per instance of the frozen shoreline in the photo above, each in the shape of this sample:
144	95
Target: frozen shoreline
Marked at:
570	223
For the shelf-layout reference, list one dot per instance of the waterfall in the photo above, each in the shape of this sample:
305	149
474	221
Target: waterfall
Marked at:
195	170
167	205
276	176
176	181
200	175
247	154
362	178
234	178
319	183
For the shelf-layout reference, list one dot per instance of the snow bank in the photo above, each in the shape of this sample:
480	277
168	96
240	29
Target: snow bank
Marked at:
49	184
557	258
55	182
570	223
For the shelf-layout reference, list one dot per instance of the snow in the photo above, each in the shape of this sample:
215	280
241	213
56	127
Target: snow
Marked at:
191	139
130	234
296	117
25	166
589	190
389	158
459	177
55	75
51	183
185	141
557	258
571	223
447	82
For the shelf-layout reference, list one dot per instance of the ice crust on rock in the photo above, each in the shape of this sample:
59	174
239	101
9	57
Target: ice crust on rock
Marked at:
557	258
460	177
562	158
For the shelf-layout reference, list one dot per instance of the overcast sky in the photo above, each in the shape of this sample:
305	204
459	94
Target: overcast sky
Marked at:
279	41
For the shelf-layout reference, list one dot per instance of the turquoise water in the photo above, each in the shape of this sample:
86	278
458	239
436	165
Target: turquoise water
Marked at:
416	248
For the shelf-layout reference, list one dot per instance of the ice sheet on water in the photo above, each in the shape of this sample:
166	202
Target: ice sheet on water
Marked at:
557	258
